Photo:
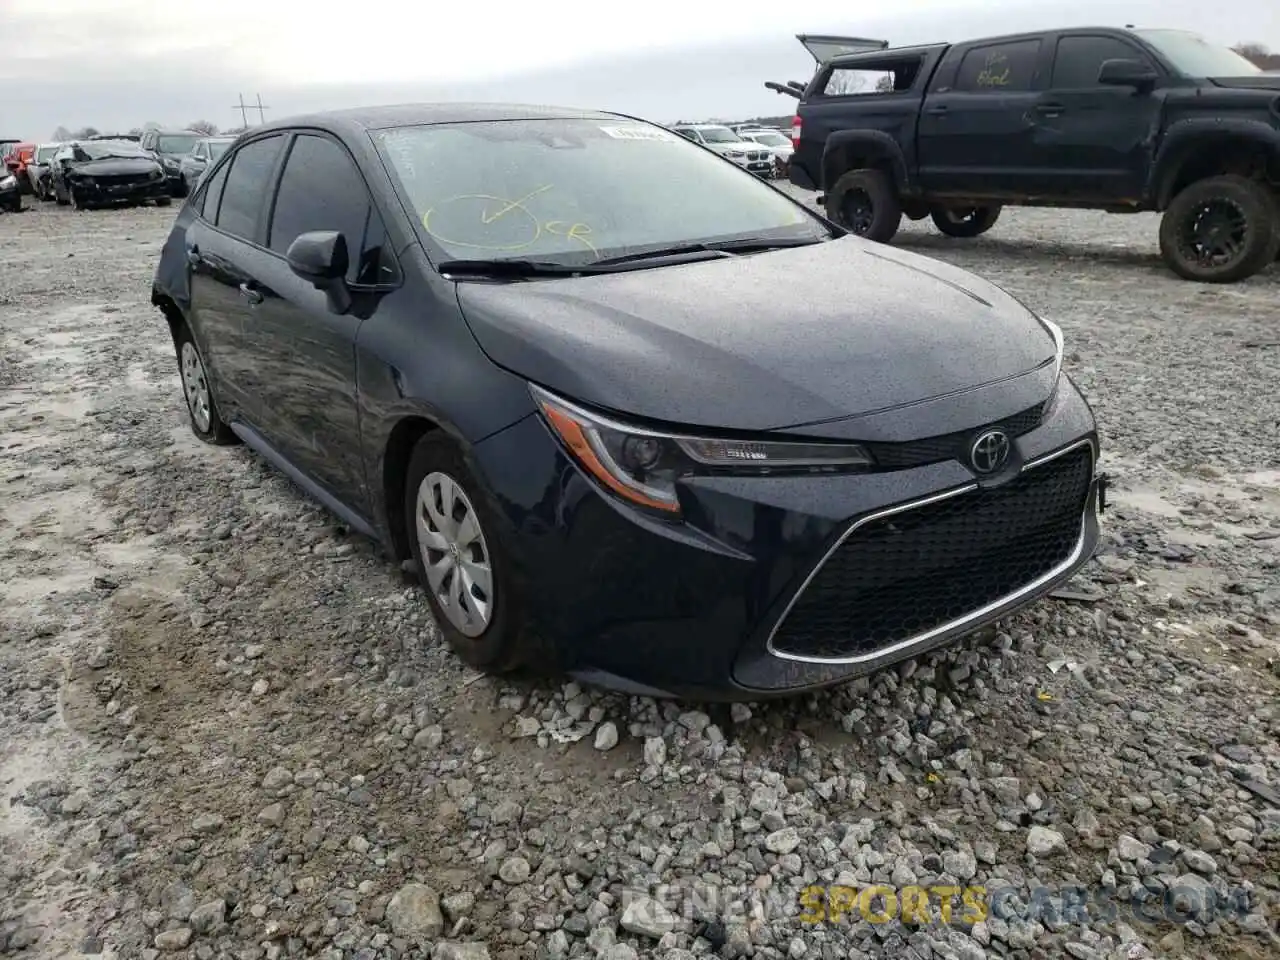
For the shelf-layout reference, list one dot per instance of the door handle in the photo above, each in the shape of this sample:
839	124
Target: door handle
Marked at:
1049	109
254	297
193	256
937	111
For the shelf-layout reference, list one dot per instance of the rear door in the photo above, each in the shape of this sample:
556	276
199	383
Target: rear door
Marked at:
976	129
224	248
306	351
1094	142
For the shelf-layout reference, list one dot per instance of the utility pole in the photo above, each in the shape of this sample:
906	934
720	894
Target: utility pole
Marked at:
244	109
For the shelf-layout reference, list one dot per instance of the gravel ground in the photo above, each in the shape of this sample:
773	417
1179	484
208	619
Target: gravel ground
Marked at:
230	729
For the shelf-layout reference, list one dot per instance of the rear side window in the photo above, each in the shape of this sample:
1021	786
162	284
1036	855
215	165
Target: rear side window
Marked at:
213	194
320	189
244	195
1078	60
999	68
887	77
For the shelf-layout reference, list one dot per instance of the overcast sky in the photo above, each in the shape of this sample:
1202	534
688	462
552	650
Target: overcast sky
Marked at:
116	64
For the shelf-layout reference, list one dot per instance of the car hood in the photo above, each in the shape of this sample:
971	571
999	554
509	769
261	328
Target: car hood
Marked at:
1260	81
114	166
765	341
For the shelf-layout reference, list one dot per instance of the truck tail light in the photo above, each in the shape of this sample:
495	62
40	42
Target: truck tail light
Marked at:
795	132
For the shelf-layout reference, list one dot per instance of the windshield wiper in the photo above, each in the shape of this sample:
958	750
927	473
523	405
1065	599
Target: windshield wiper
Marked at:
513	267
722	248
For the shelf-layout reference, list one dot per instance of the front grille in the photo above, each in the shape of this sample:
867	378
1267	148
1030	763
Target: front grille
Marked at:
950	446
904	575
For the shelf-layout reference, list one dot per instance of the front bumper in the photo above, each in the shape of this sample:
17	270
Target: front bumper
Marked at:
745	599
104	191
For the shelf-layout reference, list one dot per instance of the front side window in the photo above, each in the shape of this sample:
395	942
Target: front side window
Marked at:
577	190
999	67
245	192
1078	60
212	194
320	189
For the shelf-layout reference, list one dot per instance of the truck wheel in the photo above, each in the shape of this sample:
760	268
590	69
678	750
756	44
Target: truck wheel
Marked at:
1220	230
865	202
965	221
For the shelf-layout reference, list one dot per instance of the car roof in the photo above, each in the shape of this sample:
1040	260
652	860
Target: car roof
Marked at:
414	114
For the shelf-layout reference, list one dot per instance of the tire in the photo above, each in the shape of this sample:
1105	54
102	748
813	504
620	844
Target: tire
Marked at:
1243	209
202	408
59	198
163	201
865	202
486	638
76	202
965	222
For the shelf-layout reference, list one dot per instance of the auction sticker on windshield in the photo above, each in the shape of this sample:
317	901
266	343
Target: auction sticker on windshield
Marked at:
639	132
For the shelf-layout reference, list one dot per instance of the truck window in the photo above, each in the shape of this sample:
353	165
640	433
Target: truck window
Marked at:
879	76
1078	59
999	67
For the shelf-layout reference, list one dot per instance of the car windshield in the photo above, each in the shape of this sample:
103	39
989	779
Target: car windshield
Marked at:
769	138
101	149
578	190
1193	56
719	135
180	143
44	154
217	148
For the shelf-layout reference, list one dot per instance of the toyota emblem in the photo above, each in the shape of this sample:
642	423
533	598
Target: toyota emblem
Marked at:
990	452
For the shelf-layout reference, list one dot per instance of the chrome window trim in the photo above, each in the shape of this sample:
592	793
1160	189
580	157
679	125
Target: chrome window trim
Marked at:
923	638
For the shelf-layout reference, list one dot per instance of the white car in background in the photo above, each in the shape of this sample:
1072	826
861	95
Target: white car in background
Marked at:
773	140
38	170
722	140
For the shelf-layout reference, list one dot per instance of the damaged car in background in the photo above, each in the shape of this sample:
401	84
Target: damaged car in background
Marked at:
98	173
629	411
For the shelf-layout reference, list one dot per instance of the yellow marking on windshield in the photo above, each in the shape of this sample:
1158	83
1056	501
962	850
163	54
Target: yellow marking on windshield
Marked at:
489	214
512	204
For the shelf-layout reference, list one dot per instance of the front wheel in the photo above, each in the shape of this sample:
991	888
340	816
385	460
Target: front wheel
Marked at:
1220	230
459	558
163	201
865	202
61	197
965	221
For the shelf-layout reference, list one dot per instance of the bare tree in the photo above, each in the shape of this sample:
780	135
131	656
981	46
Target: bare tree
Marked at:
234	131
203	127
1258	54
136	131
84	133
61	134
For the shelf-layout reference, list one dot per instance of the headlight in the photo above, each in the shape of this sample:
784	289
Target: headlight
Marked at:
169	162
735	153
642	466
8	182
1059	345
157	174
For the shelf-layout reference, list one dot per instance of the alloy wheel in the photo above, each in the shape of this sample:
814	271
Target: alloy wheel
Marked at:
858	211
455	555
1213	234
196	386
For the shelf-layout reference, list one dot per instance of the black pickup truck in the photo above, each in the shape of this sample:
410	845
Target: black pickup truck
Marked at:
1098	118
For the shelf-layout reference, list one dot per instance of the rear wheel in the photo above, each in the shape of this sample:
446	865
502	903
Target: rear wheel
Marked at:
1220	230
965	221
459	559
202	408
865	202
163	201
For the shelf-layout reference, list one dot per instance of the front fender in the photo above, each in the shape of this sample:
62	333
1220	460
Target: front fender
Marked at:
1186	138
875	145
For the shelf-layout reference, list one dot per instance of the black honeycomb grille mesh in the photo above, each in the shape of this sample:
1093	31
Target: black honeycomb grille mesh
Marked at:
903	575
949	446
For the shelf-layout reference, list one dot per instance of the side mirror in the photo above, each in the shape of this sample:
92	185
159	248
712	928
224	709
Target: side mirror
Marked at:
1127	73
320	258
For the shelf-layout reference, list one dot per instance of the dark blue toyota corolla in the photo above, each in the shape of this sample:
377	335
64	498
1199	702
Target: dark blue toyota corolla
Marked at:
633	413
